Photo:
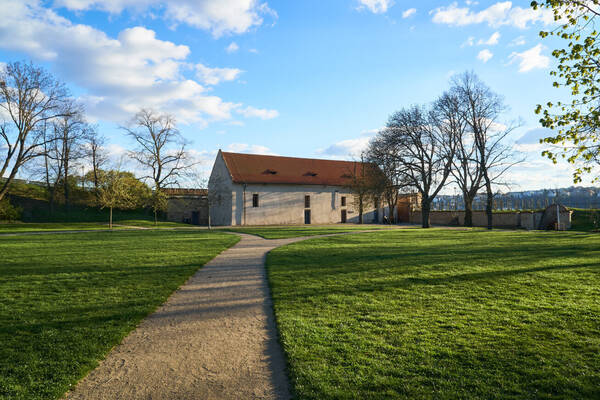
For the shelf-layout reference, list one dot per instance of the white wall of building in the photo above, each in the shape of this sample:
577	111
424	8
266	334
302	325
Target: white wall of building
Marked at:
279	204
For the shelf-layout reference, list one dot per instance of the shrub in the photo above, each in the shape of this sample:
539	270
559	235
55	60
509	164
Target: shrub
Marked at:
8	212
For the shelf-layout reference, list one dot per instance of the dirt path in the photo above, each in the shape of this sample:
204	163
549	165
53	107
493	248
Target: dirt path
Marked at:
215	338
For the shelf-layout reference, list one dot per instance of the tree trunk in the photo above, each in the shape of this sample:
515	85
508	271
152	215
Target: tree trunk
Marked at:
7	182
66	185
360	210
425	209
468	210
489	203
110	219
155	217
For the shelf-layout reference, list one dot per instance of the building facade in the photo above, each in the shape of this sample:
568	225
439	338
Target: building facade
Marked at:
189	206
248	189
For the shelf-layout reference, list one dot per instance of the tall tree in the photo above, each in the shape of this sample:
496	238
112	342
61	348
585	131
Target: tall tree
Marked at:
29	97
576	122
481	109
466	169
389	180
95	153
160	150
70	131
422	150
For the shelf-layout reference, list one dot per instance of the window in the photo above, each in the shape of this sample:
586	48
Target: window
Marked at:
255	200
343	201
306	201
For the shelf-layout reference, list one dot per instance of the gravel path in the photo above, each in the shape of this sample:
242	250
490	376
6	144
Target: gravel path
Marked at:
214	338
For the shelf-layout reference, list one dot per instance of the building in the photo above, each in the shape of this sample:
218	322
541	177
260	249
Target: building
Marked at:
187	205
248	189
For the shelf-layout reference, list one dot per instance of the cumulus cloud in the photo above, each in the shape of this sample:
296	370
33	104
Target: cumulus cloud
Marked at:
530	59
346	149
122	74
249	148
409	13
250	111
492	40
485	55
217	16
376	6
498	14
232	48
518	41
214	76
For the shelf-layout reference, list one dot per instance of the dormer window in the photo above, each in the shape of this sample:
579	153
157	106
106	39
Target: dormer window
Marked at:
269	172
310	173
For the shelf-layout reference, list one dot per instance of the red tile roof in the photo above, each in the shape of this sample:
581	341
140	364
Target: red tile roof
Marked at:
253	168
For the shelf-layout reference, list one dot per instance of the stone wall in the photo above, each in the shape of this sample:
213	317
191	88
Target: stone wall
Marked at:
188	209
507	219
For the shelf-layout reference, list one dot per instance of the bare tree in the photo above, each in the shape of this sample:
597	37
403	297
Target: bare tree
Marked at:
160	150
70	131
423	152
466	169
95	153
390	181
363	185
481	109
29	97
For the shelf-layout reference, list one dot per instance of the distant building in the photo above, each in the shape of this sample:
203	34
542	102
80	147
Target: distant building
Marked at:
187	205
247	189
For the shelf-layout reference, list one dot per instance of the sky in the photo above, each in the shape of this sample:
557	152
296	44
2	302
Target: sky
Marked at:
308	78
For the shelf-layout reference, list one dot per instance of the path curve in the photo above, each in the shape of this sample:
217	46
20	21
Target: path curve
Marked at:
214	338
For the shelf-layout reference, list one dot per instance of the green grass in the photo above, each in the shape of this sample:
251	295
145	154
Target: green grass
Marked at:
150	224
440	314
19	227
66	300
290	231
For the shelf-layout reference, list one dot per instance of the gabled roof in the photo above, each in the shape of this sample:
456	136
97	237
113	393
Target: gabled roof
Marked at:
253	168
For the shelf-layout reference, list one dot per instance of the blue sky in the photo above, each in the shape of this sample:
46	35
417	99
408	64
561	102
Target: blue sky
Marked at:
307	78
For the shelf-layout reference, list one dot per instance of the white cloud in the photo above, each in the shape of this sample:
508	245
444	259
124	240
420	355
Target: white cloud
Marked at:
518	41
376	6
258	113
485	55
469	42
232	48
530	59
120	74
249	148
214	76
348	149
498	14
409	13
217	16
492	40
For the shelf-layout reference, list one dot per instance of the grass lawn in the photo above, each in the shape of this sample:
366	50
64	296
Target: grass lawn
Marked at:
290	231
66	300
69	226
421	314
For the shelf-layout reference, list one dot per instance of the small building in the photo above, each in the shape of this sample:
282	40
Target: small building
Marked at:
248	189
187	205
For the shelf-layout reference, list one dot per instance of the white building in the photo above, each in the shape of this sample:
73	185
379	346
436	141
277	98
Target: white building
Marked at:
248	189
